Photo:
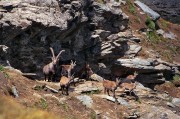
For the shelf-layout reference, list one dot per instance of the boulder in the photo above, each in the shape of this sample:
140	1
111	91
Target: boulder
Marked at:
146	9
86	100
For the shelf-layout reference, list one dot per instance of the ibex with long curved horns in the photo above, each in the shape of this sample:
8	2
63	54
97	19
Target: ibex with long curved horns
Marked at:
50	69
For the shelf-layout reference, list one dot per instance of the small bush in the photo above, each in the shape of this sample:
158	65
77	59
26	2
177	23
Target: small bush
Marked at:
41	104
150	24
153	36
176	78
1	68
131	7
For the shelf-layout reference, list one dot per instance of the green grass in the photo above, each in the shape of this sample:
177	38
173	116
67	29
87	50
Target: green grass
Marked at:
41	104
3	71
176	78
93	115
1	68
92	92
150	24
153	36
164	24
131	7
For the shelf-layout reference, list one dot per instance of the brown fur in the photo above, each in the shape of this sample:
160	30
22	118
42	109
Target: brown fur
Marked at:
65	83
68	68
127	84
110	86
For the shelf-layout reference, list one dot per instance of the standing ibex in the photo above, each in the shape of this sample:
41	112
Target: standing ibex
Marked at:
50	69
132	77
111	86
128	84
65	83
66	69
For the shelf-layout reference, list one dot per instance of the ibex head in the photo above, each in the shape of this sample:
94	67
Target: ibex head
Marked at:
55	58
73	64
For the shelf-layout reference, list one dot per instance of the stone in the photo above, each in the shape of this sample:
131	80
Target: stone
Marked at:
15	92
119	99
86	100
176	102
146	9
86	87
170	105
154	112
133	49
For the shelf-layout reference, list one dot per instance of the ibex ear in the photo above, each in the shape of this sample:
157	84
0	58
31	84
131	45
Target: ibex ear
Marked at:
117	79
75	63
135	73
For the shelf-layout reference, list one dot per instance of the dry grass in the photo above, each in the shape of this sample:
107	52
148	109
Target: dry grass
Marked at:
9	109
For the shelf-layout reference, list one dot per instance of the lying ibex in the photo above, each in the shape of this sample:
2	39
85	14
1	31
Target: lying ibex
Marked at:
50	69
66	69
111	86
65	83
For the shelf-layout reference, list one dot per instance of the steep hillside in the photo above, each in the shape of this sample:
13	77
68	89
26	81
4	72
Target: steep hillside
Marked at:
110	40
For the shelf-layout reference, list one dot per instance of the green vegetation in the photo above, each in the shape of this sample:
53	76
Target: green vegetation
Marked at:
164	24
1	68
64	105
153	36
176	78
131	7
93	115
92	92
100	1
3	71
41	104
150	24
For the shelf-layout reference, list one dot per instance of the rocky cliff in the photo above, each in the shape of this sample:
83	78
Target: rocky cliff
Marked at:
88	31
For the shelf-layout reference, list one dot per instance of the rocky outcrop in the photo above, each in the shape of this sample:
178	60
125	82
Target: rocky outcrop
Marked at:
80	27
168	9
151	71
146	9
88	31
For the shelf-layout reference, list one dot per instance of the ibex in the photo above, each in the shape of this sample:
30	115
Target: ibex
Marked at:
49	70
65	83
132	77
66	69
111	86
85	71
127	84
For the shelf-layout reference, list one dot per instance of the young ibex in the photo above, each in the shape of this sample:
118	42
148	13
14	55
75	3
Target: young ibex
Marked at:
85	71
132	77
127	84
111	86
50	69
65	83
66	69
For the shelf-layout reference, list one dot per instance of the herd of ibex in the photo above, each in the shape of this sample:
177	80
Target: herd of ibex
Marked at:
66	78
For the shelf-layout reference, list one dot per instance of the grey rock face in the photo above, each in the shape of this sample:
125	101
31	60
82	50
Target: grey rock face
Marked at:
30	27
149	11
168	9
